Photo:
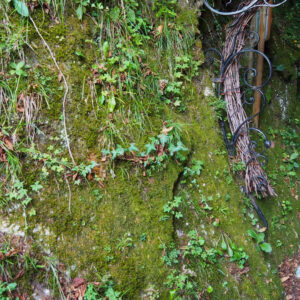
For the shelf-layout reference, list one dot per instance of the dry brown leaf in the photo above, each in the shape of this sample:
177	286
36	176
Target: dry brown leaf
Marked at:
12	252
20	274
245	270
147	73
74	176
166	130
60	77
262	229
78	282
8	143
283	279
20	108
162	84
293	192
160	29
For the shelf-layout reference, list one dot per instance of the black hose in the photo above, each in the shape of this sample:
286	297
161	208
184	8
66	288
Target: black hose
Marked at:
259	212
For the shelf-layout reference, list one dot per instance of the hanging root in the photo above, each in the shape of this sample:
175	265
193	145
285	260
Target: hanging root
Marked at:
66	90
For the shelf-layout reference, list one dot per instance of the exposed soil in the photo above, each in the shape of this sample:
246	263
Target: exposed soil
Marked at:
287	273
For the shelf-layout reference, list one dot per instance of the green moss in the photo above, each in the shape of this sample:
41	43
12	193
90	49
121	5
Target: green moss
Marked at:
86	231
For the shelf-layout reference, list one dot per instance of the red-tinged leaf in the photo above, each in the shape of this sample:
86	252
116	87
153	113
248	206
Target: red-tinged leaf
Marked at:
20	274
160	150
78	282
147	73
75	176
245	270
12	252
8	143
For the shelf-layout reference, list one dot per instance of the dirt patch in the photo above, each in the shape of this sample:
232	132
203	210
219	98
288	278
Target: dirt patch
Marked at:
287	273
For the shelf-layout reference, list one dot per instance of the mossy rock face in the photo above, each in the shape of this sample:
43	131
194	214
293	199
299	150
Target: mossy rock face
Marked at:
116	228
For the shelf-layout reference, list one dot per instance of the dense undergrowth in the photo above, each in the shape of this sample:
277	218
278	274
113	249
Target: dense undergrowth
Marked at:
112	163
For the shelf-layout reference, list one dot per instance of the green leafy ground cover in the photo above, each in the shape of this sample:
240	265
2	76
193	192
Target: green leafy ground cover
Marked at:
152	208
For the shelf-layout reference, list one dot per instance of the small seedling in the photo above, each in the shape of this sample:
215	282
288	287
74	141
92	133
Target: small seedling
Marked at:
259	238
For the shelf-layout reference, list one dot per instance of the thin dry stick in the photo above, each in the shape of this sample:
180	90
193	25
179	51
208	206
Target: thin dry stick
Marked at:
66	90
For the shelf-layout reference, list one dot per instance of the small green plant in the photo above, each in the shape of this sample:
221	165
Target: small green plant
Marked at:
205	203
143	237
125	242
196	168
259	238
6	288
21	8
156	153
165	8
18	68
236	254
286	207
238	167
91	293
219	106
171	208
183	283
104	291
291	164
195	245
171	254
186	68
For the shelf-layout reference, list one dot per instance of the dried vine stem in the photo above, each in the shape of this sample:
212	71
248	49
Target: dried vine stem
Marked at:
255	178
66	90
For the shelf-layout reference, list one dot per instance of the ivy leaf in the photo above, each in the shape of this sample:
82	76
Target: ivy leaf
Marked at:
178	215
150	147
119	151
112	294
133	148
164	139
266	247
105	152
36	186
21	8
